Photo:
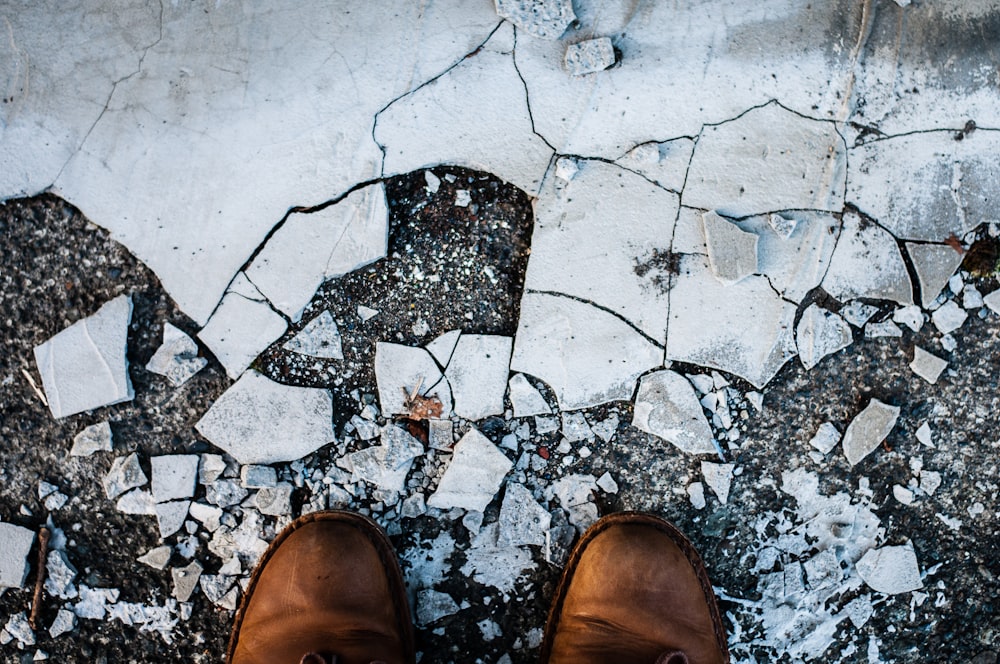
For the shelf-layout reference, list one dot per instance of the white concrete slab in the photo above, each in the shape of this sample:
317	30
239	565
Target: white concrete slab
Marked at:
867	264
868	429
15	544
399	370
667	407
174	476
473	476
934	265
319	338
820	333
525	399
478	373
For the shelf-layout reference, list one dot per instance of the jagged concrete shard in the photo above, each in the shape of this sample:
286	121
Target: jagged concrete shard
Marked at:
664	163
867	264
891	569
473	476
927	186
481	118
319	338
589	56
15	544
934	265
477	374
732	252
310	248
259	421
707	323
820	333
177	357
288	112
627	275
768	159
868	429
586	355
547	19
402	370
84	366
667	407
606	114
525	399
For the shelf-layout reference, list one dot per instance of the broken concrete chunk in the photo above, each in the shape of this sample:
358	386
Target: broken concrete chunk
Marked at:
319	338
868	429
136	501
84	366
157	558
857	313
95	438
125	474
413	506
433	605
258	477
477	373
177	357
433	182
867	264
210	468
224	493
209	516
782	225
718	477
366	313
949	317
474	475
239	330
215	587
170	517
607	483
174	476
934	265
927	365
522	520
911	316
732	253
886	328
387	464
820	333
525	399
902	494
443	346
576	495
930	480
826	438
972	298
575	427
666	406
547	19
15	544
992	300
185	580
275	500
696	494
402	370
260	421
590	56
19	628
65	621
440	434
891	569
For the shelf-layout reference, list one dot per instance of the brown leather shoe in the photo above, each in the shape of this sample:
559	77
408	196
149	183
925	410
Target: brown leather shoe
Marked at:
327	589
634	591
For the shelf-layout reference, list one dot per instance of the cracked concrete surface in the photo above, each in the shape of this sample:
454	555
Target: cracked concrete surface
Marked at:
270	164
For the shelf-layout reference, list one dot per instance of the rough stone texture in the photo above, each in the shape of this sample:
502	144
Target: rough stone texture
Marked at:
84	366
820	333
868	429
934	265
547	19
666	406
590	56
174	476
95	438
259	421
477	374
473	476
15	543
732	253
125	474
891	569
522	520
177	357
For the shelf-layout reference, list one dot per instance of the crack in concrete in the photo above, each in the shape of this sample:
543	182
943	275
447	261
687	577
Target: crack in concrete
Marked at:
601	307
527	95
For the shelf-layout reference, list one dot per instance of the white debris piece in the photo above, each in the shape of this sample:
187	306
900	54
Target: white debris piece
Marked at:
696	494
891	569
820	333
666	406
95	438
924	435
65	621
260	421
413	506
225	492
19	628
432	606
387	464
902	494
84	366
443	346
590	56
157	558
934	265
781	225
93	603
607	483
576	495
547	19
275	500
826	438
972	298
525	398
241	328
930	480
185	580
177	357
868	429
257	477
575	427
125	474
522	520
399	370
136	501
15	544
462	198
474	475
59	576
927	365
718	477
857	313
433	182
911	316
366	313
170	517
992	301
319	338
440	434
859	610
209	516
490	564
886	328
478	373
867	264
210	468
174	476
949	317
216	588
732	252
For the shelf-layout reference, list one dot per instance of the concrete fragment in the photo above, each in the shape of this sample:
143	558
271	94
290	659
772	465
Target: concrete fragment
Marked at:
95	438
547	19
992	300
607	484
170	517
857	313
224	493
718	477
275	500
443	346
399	370
216	587
696	494
60	575
934	265
462	198
319	338
576	495
924	435
473	476
589	56
256	477
241	328
575	427
867	264
157	558
210	468
911	316
927	365
84	366
125	474
477	374
886	328
868	429
366	313
522	520
949	317
387	464
433	605
20	629
930	480
209	516
413	506
972	298
825	438
15	544
891	569
65	621
174	476
782	225
666	406
185	580
586	355
433	182
525	399
311	247
440	434
732	253
820	333
902	494
260	421
664	163
136	501
177	357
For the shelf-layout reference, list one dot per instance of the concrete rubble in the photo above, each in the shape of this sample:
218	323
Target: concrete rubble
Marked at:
177	357
477	373
84	366
387	464
927	365
666	406
125	474
522	520
174	476
718	477
732	252
820	333
934	265
868	429
547	19
15	543
319	338
473	476
94	438
891	569
525	399
589	56
401	371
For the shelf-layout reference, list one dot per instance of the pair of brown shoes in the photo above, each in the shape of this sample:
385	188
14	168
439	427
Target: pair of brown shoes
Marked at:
329	589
